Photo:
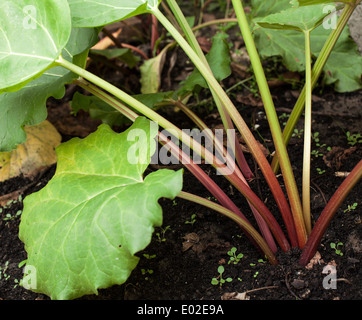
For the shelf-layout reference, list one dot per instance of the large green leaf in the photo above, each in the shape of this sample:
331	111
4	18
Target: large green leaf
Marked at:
82	230
219	61
32	36
299	19
90	13
344	66
28	105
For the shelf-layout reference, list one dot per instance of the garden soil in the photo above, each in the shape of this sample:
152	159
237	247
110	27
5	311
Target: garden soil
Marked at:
184	255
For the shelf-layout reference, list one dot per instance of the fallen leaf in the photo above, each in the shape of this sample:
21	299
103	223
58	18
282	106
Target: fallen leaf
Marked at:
335	157
249	100
151	71
31	157
235	296
205	44
192	241
317	259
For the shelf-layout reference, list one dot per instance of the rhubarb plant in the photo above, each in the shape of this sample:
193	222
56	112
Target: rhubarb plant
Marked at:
83	230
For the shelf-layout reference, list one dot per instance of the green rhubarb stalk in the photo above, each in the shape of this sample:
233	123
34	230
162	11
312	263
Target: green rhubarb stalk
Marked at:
317	70
245	132
328	213
273	120
248	228
225	118
307	135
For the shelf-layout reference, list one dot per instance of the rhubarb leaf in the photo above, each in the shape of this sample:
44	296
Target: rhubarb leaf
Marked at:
299	19
344	73
32	36
89	13
33	156
28	105
82	231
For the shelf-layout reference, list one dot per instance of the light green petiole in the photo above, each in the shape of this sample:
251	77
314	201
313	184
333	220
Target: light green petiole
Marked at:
317	70
307	134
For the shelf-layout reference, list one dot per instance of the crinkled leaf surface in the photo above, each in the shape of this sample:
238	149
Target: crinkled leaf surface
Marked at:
82	230
28	105
90	13
289	44
32	36
299	19
312	2
36	154
344	66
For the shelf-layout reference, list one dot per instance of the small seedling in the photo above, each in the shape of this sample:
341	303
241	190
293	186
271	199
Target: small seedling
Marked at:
316	153
336	248
320	171
284	116
146	272
351	207
298	133
233	257
3	273
149	256
353	138
9	217
161	235
219	280
192	220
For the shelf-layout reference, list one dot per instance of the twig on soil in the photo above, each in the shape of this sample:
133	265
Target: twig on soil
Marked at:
262	288
321	192
289	288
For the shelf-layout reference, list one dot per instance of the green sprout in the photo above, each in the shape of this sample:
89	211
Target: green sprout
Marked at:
336	248
192	220
351	207
161	235
220	280
146	272
320	171
233	257
353	138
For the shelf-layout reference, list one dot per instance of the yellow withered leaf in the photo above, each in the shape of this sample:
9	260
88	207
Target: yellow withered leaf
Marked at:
29	158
